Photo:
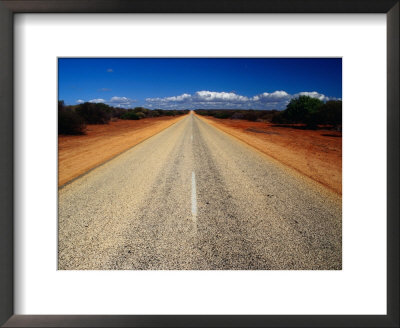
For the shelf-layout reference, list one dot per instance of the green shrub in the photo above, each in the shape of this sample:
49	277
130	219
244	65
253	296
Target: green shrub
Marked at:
130	115
141	115
202	112
117	112
268	115
154	113
143	110
169	113
237	116
95	113
223	115
279	118
159	111
331	113
302	109
310	111
69	122
250	115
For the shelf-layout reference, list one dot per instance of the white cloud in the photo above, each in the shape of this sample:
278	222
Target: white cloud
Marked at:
212	99
200	99
274	100
121	102
115	101
314	94
99	100
274	96
182	98
215	100
212	96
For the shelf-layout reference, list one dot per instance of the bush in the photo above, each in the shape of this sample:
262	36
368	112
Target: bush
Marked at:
250	115
302	110
279	118
159	111
311	111
154	113
202	112
141	109
268	115
169	113
222	114
331	113
141	115
237	116
117	112
69	122
130	115
95	113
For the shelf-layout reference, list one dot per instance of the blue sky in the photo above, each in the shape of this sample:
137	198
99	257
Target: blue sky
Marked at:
181	83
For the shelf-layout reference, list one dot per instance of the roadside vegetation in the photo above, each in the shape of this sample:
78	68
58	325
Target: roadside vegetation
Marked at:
304	111
72	120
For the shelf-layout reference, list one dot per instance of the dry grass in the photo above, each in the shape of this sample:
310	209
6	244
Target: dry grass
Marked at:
314	153
79	154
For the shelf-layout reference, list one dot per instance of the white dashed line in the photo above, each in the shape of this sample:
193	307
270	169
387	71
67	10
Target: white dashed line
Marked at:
194	198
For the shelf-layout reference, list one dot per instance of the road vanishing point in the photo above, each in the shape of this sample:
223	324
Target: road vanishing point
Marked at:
195	198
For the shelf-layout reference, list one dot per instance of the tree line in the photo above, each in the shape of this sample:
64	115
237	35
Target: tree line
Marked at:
305	110
73	119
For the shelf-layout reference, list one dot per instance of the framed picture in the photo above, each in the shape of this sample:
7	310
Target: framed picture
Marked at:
193	173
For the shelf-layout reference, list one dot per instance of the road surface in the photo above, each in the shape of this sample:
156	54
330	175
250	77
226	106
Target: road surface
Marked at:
193	197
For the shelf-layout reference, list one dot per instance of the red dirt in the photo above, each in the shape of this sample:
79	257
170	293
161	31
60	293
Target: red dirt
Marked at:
314	153
79	154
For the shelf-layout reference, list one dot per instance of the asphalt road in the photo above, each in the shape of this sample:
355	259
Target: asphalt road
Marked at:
193	197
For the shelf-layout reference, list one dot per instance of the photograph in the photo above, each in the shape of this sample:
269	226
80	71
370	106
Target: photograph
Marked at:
199	163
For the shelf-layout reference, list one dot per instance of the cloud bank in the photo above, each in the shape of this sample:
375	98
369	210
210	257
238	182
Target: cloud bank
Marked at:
123	102
97	100
212	99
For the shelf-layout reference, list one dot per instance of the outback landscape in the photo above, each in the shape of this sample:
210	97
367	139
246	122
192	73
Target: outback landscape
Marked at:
97	143
183	188
316	152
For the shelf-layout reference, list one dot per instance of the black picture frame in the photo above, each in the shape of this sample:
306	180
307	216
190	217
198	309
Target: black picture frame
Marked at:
7	10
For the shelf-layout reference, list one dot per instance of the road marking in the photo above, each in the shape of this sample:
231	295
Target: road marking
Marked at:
194	199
